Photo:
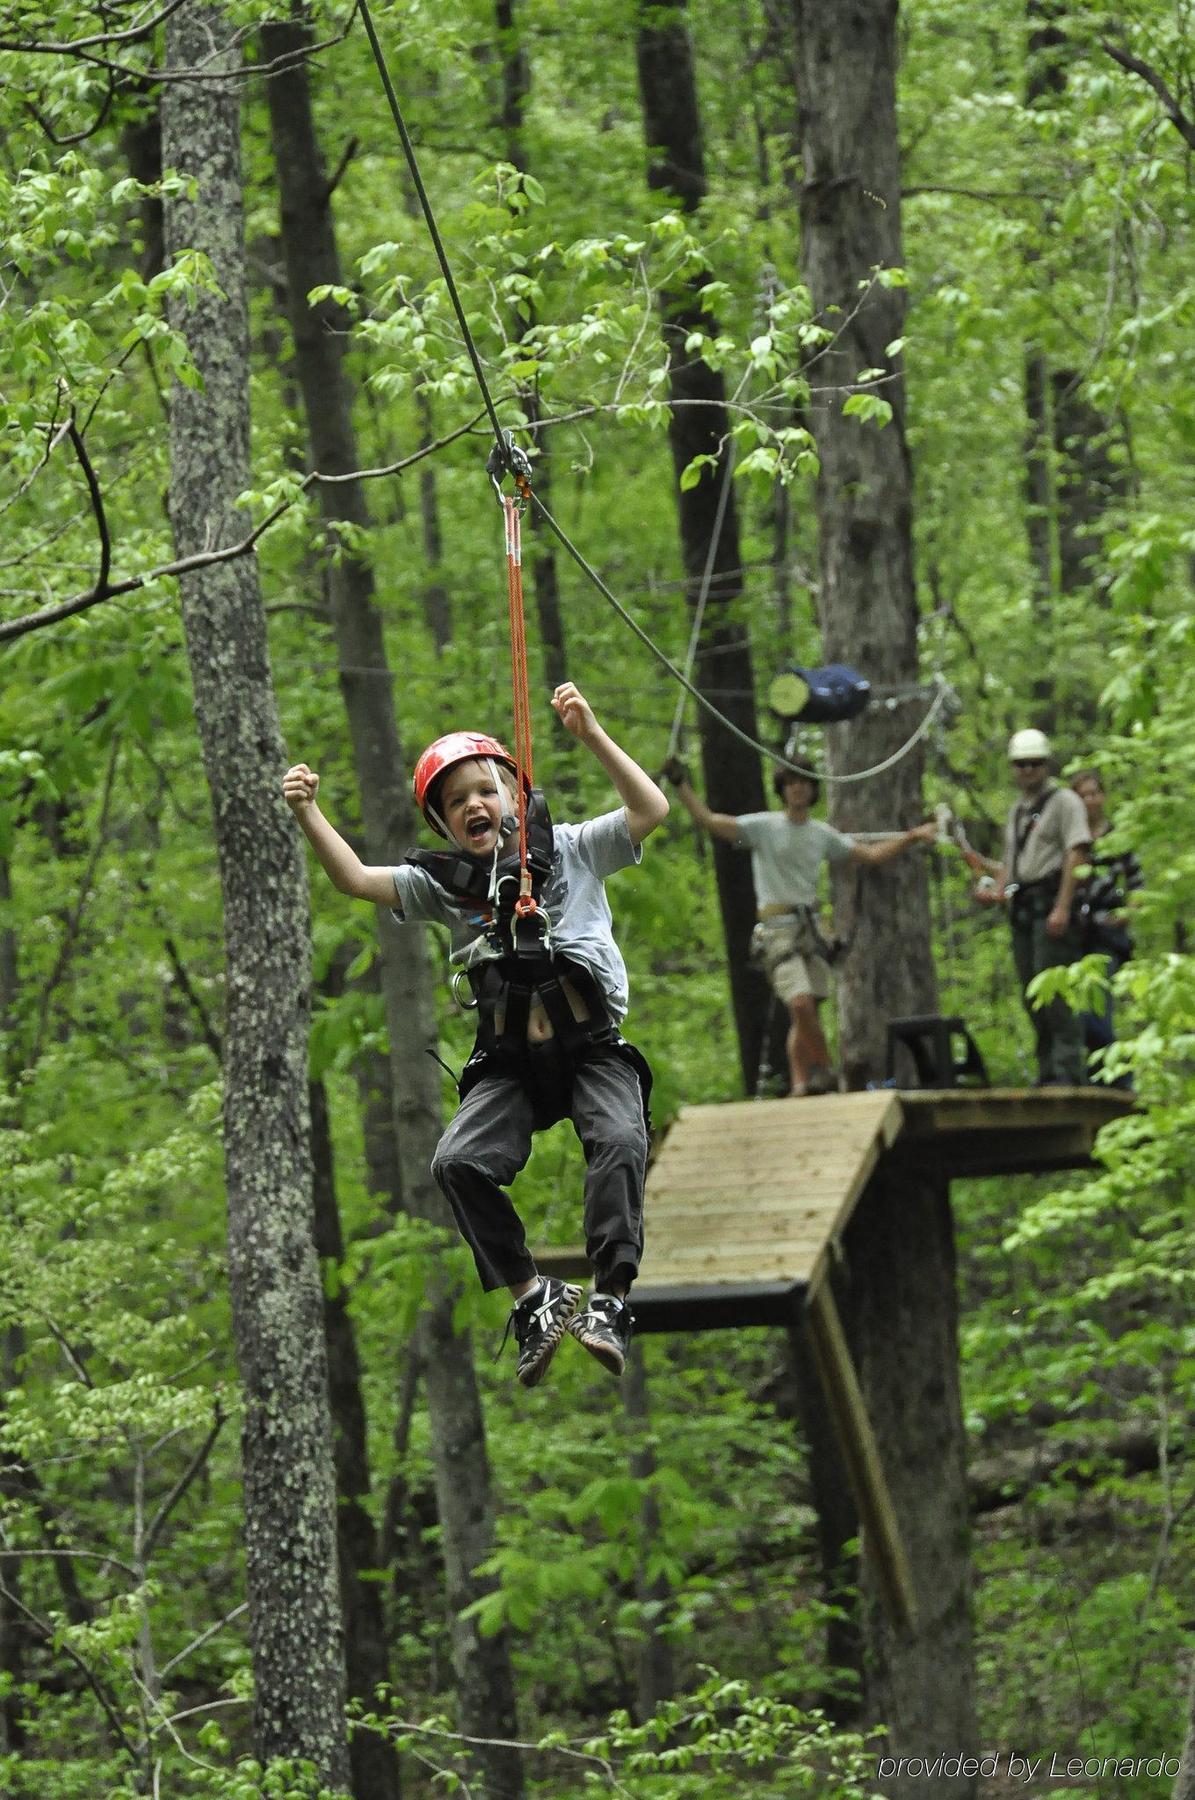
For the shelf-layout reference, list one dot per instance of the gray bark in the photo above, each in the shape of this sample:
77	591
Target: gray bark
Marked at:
289	1490
366	1650
484	1681
868	610
1184	1784
699	426
902	1309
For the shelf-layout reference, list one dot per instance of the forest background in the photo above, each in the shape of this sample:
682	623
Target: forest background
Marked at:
652	1557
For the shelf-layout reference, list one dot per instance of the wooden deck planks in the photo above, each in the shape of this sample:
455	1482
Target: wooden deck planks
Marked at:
754	1194
757	1190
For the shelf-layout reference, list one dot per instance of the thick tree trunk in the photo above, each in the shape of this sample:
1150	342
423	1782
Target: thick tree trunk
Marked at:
699	425
482	1665
850	223
289	1486
902	1312
367	1664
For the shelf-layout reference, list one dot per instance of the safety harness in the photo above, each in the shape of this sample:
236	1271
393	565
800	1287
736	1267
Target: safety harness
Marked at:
518	960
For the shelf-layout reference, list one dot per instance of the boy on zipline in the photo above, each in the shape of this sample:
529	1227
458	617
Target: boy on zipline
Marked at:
548	1044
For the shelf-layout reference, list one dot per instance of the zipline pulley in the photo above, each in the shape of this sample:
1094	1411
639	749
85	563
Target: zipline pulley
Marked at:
507	459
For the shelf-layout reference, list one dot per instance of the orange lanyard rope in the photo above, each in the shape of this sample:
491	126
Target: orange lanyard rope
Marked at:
524	777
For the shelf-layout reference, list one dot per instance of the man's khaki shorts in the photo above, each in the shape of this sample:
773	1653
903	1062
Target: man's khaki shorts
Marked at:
790	971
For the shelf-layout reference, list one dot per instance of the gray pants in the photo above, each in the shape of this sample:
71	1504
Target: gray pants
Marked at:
489	1141
1058	1031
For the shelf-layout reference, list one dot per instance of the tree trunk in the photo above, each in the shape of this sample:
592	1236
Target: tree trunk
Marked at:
699	425
289	1484
1039	527
367	1664
656	1673
482	1665
1090	481
903	1311
1044	78
904	1327
850	223
1184	1785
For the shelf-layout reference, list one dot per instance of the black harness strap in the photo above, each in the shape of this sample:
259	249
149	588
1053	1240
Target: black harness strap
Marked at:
471	878
504	985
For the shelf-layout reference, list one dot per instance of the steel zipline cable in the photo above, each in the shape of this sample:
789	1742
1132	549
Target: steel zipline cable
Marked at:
505	455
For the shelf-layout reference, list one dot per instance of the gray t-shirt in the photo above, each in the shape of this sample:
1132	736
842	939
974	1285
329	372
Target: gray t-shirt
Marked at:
786	857
1061	825
573	895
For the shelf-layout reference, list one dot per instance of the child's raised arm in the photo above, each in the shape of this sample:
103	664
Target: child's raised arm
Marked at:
339	860
646	805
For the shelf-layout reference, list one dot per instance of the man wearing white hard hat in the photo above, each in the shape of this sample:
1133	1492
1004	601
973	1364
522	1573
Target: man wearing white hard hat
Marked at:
1046	840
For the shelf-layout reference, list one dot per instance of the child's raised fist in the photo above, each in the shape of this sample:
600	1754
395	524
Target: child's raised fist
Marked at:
300	786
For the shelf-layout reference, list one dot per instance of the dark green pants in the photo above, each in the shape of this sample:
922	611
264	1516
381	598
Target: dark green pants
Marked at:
1058	1032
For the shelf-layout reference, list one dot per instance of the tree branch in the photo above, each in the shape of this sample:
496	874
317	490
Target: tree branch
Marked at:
198	1642
97	502
49	1637
182	1484
75	918
10	629
132	34
147	77
965	193
337	176
1181	121
88	131
210	1035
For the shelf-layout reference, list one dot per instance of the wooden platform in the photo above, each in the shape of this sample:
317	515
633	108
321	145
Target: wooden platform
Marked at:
746	1203
746	1200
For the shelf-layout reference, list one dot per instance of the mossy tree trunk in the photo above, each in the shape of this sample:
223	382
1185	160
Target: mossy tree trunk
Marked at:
289	1497
484	1682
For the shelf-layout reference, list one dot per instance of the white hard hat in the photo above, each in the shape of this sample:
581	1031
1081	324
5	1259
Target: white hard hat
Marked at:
1025	746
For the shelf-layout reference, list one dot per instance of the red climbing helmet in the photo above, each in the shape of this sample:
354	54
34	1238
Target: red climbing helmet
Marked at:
446	753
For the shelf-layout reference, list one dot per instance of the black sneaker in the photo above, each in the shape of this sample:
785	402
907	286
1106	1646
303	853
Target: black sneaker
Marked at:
604	1327
821	1080
539	1321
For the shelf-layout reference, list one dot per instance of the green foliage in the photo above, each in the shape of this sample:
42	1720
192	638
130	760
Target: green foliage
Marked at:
1052	222
715	1741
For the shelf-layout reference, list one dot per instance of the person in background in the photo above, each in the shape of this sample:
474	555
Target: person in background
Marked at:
1046	841
788	850
1100	907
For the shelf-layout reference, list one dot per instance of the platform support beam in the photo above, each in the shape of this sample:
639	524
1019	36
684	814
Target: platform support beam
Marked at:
856	1440
837	1521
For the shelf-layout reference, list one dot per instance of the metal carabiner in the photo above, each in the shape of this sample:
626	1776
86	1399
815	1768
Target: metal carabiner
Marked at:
469	1005
506	458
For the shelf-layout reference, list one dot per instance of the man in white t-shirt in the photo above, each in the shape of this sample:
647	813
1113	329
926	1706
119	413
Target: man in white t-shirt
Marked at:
788	850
